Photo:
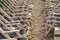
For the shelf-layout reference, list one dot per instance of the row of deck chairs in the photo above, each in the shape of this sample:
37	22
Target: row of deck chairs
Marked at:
15	18
52	15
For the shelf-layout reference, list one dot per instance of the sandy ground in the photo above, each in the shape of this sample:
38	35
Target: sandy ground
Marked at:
39	20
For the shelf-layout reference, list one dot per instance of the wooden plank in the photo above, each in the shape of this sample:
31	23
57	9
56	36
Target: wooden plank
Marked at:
57	38
9	39
10	5
5	8
57	32
14	2
2	11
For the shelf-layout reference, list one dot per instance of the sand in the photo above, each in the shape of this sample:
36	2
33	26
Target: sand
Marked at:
39	20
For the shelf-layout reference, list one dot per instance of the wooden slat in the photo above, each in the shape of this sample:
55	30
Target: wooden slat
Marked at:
4	25
10	5
2	11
